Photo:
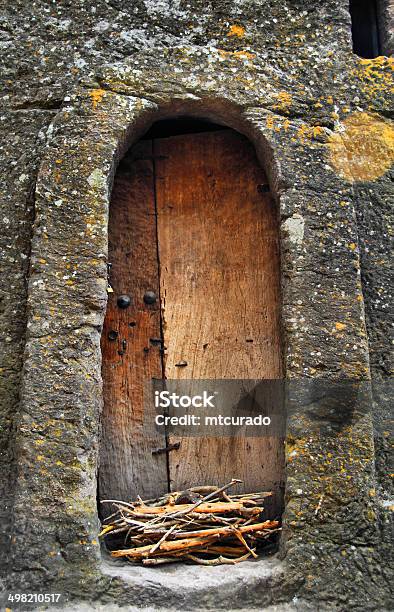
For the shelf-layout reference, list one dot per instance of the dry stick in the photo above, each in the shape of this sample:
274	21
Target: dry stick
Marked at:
158	519
202	508
160	560
134	524
130	530
174	545
115	531
205	550
244	542
110	516
118	502
165	536
255	497
230	549
218	561
210	495
228	530
210	489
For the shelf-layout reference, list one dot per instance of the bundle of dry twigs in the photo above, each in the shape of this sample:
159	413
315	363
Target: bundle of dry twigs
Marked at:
205	525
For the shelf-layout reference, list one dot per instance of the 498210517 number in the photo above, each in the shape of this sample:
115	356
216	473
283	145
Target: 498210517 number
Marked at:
34	597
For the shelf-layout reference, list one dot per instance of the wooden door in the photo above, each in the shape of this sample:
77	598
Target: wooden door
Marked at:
192	220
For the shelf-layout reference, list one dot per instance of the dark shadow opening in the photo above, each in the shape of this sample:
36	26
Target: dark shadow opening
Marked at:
365	28
180	125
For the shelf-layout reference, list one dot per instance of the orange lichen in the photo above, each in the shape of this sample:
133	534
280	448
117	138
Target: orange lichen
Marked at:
96	95
236	30
363	149
270	121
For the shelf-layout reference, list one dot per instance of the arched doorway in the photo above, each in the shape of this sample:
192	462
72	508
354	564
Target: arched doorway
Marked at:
194	244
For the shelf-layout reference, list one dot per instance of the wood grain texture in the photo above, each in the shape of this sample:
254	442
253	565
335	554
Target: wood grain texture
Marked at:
220	288
127	467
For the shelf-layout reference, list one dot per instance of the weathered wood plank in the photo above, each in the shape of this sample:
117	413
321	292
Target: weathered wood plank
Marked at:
220	288
127	467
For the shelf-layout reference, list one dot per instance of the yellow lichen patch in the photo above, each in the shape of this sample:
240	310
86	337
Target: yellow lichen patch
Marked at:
96	95
270	122
305	132
340	326
236	30
381	60
284	101
364	148
376	76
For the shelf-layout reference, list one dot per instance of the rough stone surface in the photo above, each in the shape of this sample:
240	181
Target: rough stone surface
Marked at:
23	136
385	10
80	84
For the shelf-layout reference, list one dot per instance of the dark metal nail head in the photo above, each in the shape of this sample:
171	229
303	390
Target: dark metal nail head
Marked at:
123	301
150	297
